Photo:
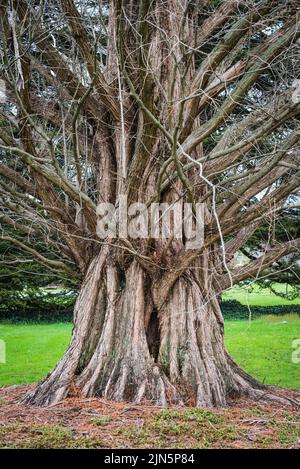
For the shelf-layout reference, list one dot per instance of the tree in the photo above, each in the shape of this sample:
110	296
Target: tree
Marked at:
158	101
287	269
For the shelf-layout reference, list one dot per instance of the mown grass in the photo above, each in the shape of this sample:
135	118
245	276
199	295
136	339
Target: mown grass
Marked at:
263	347
31	350
254	295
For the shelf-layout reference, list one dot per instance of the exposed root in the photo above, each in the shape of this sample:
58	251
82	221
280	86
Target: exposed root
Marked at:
268	396
110	356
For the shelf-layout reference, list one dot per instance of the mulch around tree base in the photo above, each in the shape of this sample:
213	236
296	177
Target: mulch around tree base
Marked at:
100	423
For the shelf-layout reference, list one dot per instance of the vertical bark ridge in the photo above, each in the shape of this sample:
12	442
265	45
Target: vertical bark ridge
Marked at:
56	385
117	362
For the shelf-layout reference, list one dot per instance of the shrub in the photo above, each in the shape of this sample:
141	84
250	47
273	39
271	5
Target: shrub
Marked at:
40	305
233	309
37	305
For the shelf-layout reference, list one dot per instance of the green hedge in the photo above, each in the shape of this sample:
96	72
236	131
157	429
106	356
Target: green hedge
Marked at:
233	309
36	305
41	306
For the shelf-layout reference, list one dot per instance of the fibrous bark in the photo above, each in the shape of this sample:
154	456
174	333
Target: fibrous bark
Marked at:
123	348
157	101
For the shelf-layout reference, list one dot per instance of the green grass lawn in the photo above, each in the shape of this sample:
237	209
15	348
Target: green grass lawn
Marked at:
263	347
256	296
31	350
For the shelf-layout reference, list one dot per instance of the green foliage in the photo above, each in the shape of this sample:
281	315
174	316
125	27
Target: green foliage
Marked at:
188	415
31	274
43	305
45	437
280	230
102	420
25	275
234	310
258	300
37	305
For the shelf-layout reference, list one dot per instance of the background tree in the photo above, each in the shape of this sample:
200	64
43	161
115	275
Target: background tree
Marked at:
159	101
285	270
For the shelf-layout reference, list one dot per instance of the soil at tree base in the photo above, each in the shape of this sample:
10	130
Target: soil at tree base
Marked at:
100	423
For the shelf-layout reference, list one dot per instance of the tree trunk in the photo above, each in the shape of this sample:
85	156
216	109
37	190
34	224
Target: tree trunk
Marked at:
124	348
151	118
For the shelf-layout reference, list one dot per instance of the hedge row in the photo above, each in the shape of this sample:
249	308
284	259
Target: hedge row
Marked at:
235	310
38	306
